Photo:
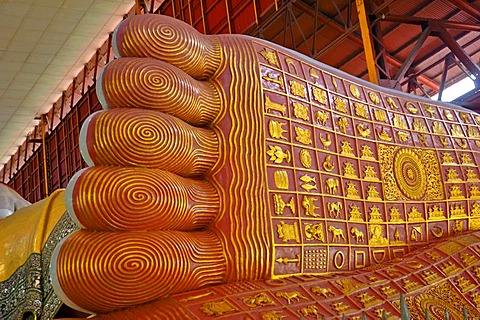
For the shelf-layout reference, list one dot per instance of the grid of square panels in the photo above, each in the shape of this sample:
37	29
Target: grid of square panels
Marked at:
357	177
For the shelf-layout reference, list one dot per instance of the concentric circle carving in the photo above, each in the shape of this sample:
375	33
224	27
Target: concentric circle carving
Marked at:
410	174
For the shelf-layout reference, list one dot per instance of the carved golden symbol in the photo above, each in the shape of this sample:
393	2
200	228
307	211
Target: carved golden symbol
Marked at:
458	226
326	142
340	308
346	149
456	131
319	95
336	263
352	191
297	260
270	56
370	173
272	315
314	232
259	300
367	153
372	193
396	236
334	208
337	234
414	264
288	232
416	234
456	192
291	63
297	88
310	310
322	291
334	82
374	97
423	139
340	104
389	292
380	115
367	300
276	129
309	182
399	123
375	215
410	174
217	308
309	206
270	105
355	214
280	205
349	170
391	103
313	74
300	111
277	155
435	212
403	136
471	175
327	164
433	256
464	116
430	111
447	158
452	175
466	160
292	295
383	135
462	143
303	135
464	284
438	128
473	132
437	231
355	91
443	141
411	108
377	238
280	178
395	215
415	215
357	234
278	80
305	159
332	185
342	124
448	115
321	117
363	131
361	110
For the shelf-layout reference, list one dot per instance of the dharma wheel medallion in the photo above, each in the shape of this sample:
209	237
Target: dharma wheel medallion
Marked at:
410	174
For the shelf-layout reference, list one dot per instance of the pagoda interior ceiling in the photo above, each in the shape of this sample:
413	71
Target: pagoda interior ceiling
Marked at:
401	30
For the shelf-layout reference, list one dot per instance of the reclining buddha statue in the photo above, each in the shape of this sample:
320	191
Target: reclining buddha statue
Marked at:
230	177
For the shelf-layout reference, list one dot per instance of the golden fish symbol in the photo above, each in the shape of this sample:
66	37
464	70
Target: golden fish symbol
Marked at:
307	179
309	187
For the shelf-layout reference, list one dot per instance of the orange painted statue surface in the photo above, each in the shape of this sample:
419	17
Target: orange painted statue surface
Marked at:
230	160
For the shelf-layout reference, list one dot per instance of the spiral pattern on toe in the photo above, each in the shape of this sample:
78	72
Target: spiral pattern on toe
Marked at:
167	39
140	199
150	139
122	269
151	84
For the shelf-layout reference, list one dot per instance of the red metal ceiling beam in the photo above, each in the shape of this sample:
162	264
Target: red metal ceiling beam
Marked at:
420	78
425	21
466	7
